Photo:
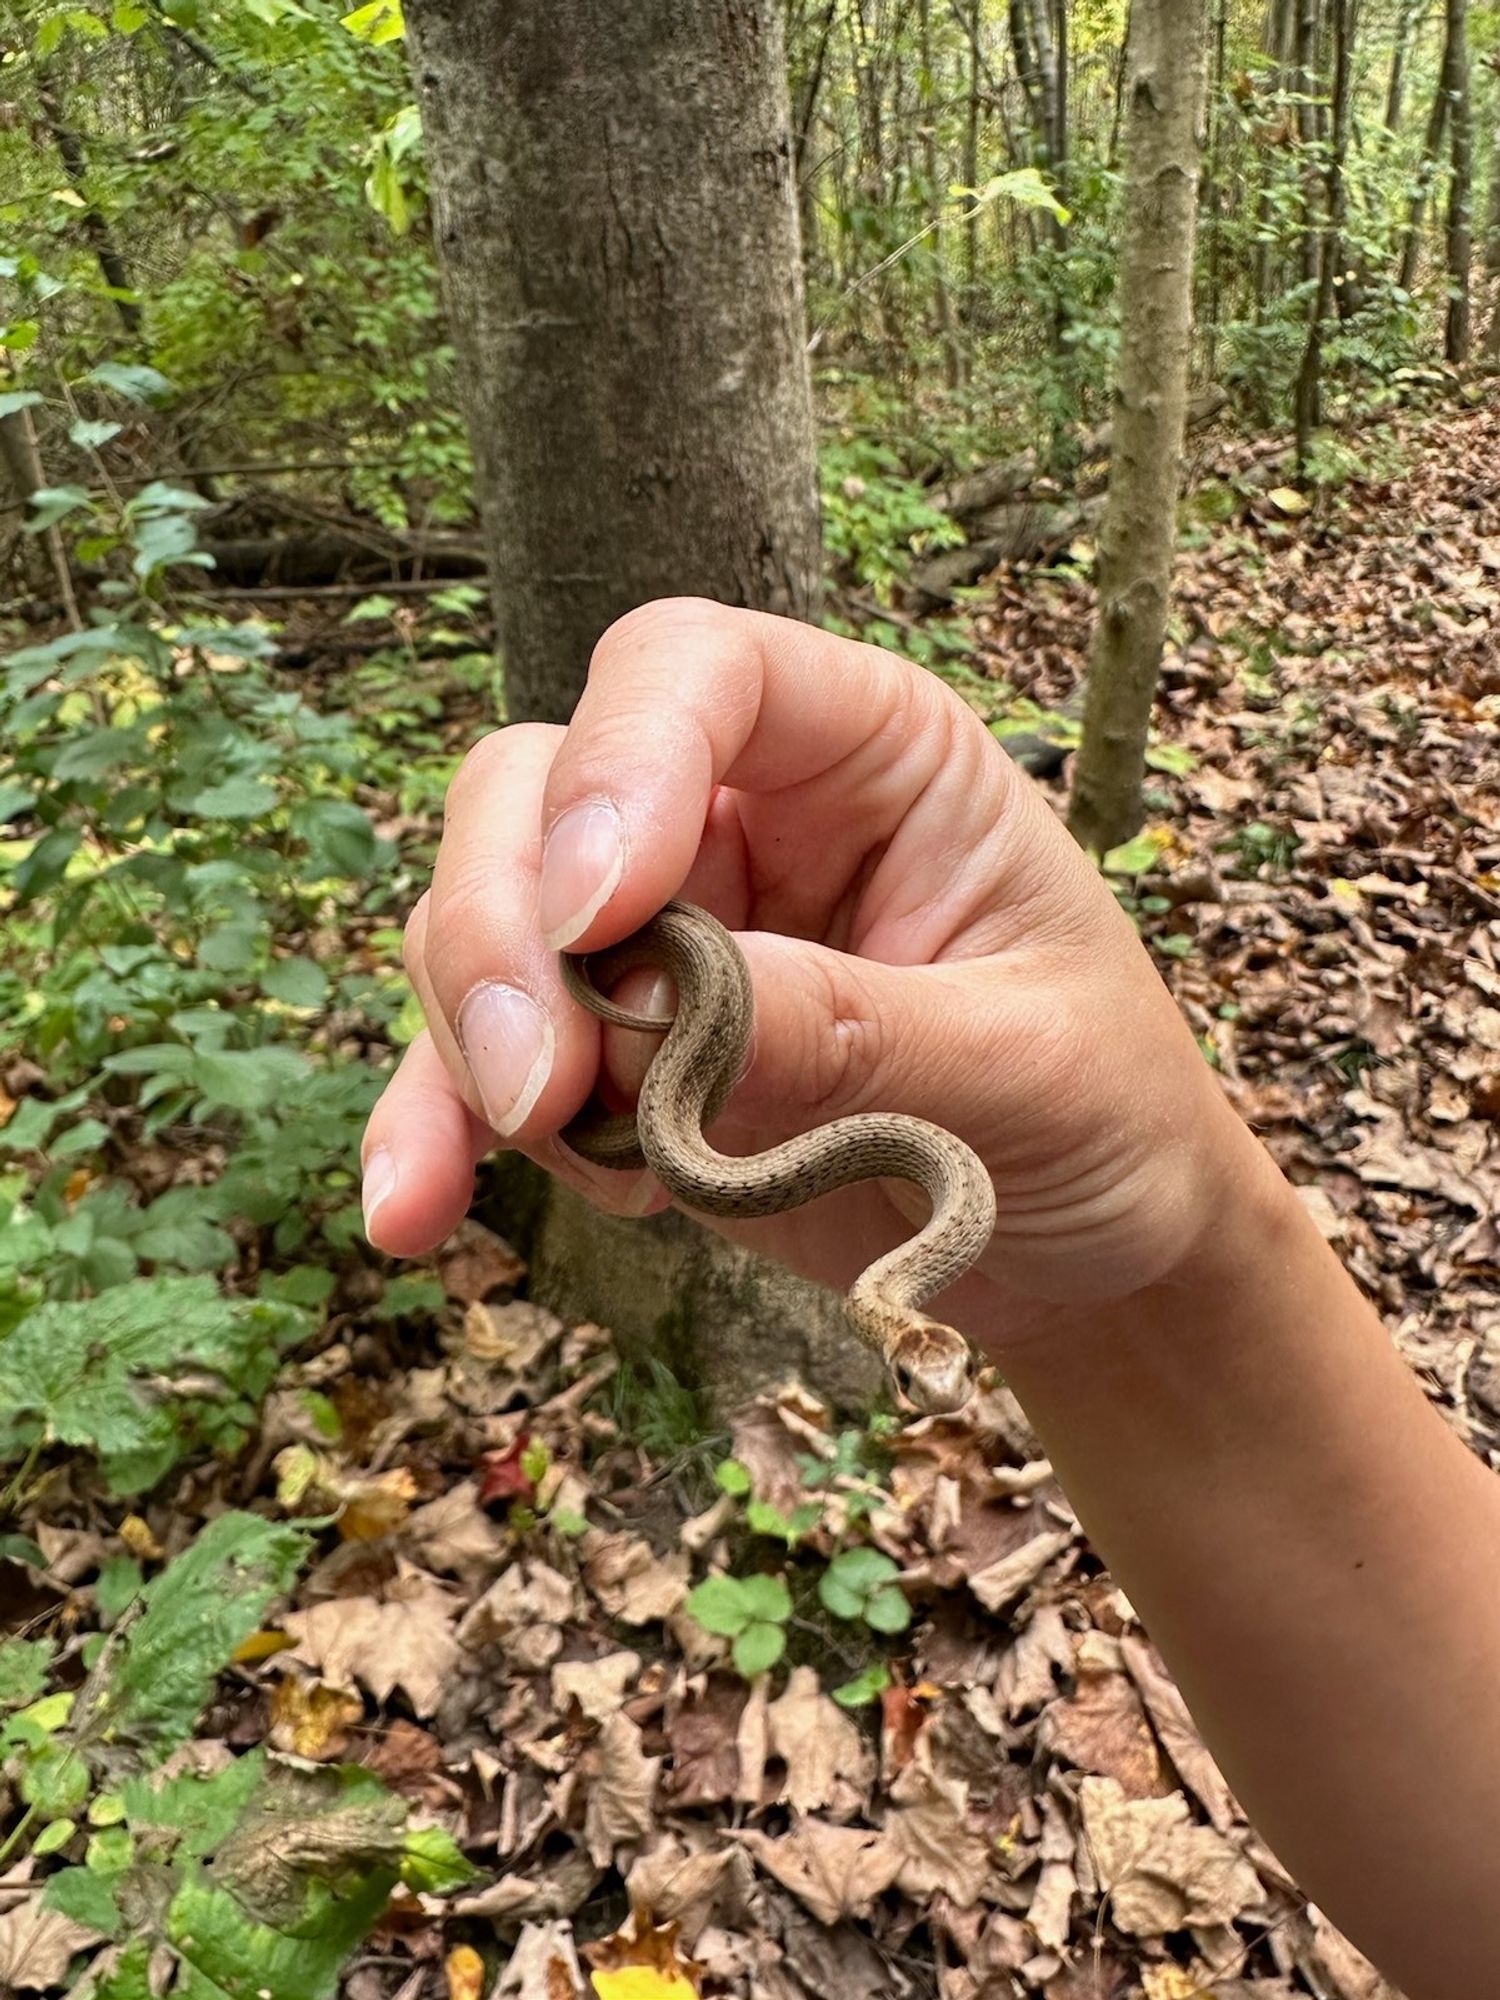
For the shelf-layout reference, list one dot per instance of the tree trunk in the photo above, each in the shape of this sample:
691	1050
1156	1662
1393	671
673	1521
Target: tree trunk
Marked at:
1136	542
1432	145
1407	21
1460	230
1330	253
616	221
75	166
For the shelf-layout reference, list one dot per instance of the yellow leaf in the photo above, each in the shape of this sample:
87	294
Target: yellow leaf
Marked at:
465	1970
642	1982
311	1719
261	1646
138	1538
69	198
8	1107
77	1186
1288	500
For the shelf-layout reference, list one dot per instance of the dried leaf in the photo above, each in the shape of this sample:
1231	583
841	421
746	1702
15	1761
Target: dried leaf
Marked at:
631	1581
406	1642
836	1871
622	1791
825	1755
1161	1872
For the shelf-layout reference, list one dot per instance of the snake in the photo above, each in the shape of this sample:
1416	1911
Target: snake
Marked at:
688	1083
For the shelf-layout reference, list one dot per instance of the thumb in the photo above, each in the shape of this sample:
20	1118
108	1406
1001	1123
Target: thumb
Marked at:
835	1035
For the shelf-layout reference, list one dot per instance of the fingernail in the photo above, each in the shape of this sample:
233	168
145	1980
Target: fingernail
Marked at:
507	1042
582	862
377	1183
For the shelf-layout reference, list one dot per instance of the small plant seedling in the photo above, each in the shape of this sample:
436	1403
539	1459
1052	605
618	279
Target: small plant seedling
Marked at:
752	1611
861	1583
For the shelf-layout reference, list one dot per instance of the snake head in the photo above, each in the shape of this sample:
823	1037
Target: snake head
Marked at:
934	1368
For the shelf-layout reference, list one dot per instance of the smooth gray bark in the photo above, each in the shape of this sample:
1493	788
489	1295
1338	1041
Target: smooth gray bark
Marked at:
617	228
1137	541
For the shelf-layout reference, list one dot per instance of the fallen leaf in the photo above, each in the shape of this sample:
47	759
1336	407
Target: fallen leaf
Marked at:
825	1755
1102	1728
464	1970
1178	1733
642	1962
673	1883
1049	1914
543	1966
311	1719
475	1262
37	1945
929	1831
1161	1872
598	1686
998	1586
837	1871
621	1791
631	1581
406	1642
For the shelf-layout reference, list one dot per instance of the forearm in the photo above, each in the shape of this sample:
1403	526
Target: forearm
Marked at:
1316	1554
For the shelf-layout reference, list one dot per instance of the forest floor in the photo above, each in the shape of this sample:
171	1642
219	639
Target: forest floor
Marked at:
986	1785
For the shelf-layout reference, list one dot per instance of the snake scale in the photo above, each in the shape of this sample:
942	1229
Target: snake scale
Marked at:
686	1087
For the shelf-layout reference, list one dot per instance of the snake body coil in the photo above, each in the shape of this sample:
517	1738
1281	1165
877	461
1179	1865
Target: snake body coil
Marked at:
687	1086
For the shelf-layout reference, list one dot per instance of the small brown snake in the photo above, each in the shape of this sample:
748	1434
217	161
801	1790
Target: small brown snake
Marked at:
687	1086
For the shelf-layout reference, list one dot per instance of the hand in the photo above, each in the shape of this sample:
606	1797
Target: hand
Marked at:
923	937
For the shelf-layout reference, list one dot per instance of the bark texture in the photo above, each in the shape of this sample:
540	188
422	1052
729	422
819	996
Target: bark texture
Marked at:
1136	542
616	223
1460	232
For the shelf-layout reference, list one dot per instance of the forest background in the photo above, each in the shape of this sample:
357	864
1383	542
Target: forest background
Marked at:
267	1499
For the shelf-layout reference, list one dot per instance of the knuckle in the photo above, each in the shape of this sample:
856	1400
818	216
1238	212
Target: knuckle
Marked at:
853	1041
486	766
660	621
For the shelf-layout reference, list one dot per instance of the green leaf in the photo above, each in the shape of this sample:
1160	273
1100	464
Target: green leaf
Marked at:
758	1648
254	1928
248	1080
718	1605
838	1597
206	1601
132	380
139	1374
55	1779
379	22
766	1598
18	399
14	800
21	1549
1134	857
863	1570
865	1687
23	1670
55	1836
88	1897
118	1586
234	798
887	1610
199	1811
47	862
340	839
52	503
89	433
732	1477
96	751
295	982
432	1864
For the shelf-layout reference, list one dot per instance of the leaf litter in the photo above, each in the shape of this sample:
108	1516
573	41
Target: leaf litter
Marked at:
460	1614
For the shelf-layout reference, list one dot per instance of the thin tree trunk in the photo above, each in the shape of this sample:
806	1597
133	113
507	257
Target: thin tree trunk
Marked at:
1215	187
1432	145
21	463
75	166
616	221
1395	94
1460	230
1330	252
1138	535
953	356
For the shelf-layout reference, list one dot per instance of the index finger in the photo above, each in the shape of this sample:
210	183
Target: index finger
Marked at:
684	695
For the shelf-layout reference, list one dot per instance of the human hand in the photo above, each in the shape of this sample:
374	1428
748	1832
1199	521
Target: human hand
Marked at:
923	937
